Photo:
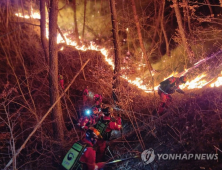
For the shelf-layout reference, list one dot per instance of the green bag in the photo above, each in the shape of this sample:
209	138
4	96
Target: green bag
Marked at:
71	160
101	127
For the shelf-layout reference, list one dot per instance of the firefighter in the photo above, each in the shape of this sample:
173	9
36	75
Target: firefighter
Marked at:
105	125
89	118
85	96
61	81
82	156
168	87
98	100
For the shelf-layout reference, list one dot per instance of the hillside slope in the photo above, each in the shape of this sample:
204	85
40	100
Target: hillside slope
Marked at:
191	125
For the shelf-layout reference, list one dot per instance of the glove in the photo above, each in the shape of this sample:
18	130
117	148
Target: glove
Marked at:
101	165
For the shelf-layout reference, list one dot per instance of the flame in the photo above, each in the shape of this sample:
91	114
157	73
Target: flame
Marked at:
217	83
172	74
34	15
197	82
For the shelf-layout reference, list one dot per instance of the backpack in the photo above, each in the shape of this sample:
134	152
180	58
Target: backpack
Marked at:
71	160
101	127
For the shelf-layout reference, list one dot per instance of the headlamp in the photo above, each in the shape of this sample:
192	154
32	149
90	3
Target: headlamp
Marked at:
87	112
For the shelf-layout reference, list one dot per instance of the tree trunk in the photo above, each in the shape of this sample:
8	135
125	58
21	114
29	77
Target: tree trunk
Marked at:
76	33
157	23
84	19
43	30
186	16
29	7
181	30
140	37
57	117
164	31
116	77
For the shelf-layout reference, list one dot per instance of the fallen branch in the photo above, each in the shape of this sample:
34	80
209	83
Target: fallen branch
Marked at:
43	118
81	64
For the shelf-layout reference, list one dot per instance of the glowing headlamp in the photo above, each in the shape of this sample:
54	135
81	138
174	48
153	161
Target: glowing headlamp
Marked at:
87	112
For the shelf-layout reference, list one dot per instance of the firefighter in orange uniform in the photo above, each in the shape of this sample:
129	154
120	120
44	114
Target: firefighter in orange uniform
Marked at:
168	87
105	125
82	156
89	118
85	96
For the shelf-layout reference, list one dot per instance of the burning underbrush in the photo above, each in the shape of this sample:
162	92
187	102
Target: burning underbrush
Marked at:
192	124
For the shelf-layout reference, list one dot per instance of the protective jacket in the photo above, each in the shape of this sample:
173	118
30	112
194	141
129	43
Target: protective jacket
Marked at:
105	126
86	121
85	92
61	80
170	85
97	97
85	96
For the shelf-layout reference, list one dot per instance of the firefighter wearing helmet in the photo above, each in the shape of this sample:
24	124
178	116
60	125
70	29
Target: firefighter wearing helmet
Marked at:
82	156
89	118
168	87
105	125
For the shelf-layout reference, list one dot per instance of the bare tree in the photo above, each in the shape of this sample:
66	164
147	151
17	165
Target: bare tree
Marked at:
76	33
43	29
58	123
116	77
181	30
210	8
186	14
157	25
163	29
84	19
140	36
